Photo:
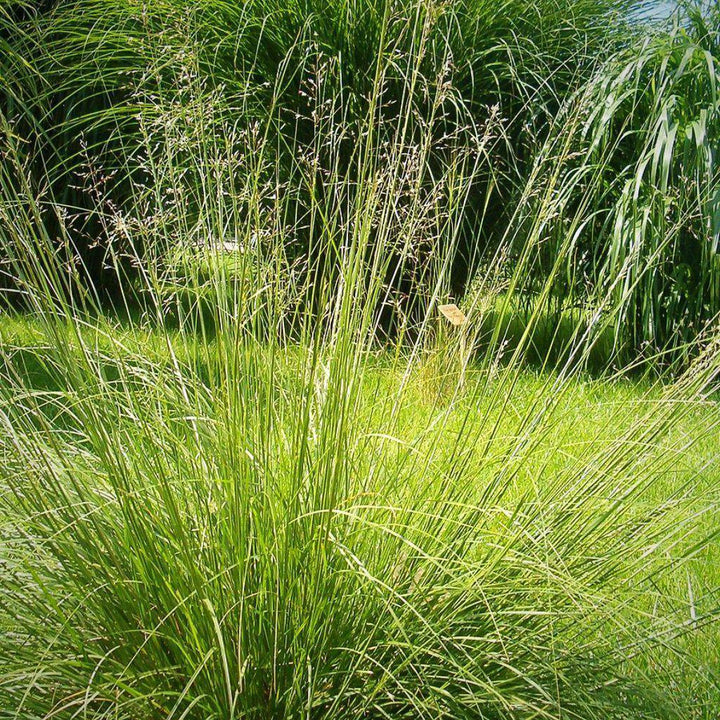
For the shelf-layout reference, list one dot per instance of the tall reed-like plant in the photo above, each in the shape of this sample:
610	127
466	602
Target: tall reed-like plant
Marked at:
637	154
234	521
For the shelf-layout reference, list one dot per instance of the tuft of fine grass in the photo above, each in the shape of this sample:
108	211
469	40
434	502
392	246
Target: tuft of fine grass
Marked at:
252	499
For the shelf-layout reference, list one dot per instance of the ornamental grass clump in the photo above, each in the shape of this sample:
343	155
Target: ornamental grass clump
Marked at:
231	495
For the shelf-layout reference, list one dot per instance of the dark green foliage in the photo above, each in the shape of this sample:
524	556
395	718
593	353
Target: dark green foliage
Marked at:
296	68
